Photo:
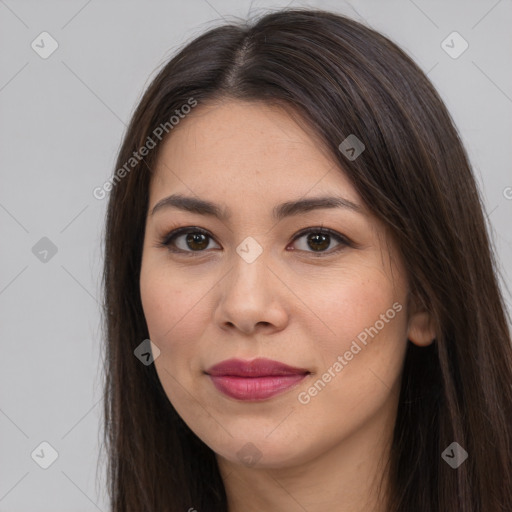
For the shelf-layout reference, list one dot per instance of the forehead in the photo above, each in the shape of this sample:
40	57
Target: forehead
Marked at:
251	146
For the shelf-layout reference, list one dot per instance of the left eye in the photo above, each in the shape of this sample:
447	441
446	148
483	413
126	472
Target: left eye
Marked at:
319	239
195	240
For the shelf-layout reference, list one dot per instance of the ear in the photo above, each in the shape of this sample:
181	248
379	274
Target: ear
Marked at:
420	329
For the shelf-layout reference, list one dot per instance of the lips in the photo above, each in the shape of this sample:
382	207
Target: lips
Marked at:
258	379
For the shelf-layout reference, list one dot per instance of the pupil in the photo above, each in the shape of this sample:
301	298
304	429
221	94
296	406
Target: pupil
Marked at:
315	238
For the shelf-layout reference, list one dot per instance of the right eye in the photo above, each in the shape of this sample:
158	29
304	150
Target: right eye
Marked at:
187	240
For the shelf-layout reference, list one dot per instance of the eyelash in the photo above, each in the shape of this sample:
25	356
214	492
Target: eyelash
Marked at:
167	240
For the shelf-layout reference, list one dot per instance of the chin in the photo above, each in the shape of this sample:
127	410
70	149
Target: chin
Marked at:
262	453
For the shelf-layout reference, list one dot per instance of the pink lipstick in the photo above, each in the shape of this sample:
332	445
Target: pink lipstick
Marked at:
254	380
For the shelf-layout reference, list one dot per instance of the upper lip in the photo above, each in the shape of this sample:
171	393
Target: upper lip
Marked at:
256	368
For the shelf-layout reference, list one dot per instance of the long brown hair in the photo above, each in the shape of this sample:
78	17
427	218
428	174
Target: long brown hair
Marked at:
341	78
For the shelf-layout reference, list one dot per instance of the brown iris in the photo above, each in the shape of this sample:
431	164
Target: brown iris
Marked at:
197	241
321	239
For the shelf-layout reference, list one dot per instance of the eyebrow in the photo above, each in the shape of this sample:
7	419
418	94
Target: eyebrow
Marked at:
287	209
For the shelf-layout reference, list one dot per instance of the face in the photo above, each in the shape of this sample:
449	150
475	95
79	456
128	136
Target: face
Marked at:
318	288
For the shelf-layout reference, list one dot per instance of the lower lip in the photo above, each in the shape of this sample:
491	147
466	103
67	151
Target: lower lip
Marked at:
255	388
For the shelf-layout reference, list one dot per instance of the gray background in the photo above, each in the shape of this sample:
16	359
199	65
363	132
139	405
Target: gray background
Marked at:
62	120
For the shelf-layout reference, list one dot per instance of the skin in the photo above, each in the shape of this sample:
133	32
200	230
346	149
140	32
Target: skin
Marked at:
289	305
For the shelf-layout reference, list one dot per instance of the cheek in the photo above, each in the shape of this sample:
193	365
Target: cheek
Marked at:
359	360
172	307
175	316
364	362
357	305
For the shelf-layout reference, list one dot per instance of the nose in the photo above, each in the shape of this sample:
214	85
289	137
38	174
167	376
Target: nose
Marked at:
251	299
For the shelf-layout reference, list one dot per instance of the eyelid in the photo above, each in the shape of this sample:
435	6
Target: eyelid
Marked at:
342	240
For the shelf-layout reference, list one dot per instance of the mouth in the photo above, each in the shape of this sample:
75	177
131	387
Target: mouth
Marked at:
254	380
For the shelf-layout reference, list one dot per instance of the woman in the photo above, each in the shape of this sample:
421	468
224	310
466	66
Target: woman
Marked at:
294	225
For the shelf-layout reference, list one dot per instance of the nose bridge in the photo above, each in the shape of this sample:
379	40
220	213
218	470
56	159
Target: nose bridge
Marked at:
250	271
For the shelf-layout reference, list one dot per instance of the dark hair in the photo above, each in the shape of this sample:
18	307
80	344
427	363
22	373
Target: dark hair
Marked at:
341	78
